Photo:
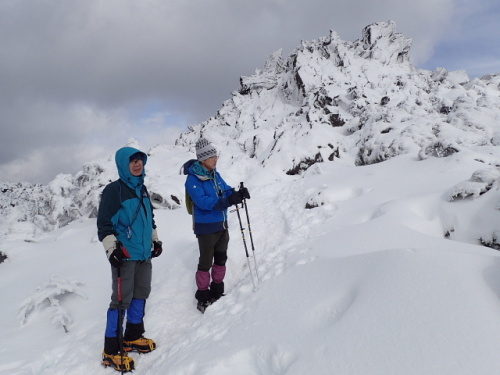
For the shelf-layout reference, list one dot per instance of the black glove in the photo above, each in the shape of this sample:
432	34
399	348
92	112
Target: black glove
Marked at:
117	255
157	249
244	194
234	198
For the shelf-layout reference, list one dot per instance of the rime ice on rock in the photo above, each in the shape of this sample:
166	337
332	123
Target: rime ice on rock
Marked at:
362	101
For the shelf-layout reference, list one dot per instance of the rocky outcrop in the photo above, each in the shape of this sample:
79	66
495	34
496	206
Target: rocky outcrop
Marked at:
361	100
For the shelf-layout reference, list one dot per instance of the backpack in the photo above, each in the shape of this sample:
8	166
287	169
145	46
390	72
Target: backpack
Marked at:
189	203
188	200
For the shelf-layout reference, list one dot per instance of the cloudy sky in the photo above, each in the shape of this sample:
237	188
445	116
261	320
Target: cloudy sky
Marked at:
78	78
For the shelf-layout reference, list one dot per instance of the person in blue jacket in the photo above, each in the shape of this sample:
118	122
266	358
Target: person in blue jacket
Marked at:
210	196
127	230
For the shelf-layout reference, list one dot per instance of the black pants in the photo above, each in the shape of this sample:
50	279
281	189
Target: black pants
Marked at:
213	249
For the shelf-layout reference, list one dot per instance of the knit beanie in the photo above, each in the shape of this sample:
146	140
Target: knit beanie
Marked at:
204	150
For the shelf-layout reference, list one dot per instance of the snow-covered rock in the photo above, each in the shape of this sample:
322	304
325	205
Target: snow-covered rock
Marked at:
33	209
362	102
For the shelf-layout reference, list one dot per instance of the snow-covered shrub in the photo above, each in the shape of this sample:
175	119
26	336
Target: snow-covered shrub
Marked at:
50	295
480	182
492	242
438	149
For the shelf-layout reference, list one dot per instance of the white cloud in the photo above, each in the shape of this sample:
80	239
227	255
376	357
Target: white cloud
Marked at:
69	137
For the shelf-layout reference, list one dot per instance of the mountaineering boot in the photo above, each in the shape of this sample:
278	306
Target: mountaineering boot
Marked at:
134	340
202	306
216	291
141	345
115	361
203	297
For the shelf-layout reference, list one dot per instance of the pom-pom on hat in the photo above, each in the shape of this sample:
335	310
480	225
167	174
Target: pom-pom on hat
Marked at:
204	150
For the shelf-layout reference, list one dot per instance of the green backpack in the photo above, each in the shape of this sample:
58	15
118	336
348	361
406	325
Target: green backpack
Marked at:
189	204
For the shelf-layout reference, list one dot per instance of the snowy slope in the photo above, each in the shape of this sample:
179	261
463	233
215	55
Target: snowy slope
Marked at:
365	268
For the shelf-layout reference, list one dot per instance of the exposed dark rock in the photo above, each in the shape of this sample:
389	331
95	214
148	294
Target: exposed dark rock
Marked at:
305	164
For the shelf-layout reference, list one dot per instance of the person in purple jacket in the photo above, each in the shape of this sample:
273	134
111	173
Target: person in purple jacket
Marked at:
210	196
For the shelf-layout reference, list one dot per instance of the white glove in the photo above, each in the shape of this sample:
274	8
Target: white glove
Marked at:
109	243
155	236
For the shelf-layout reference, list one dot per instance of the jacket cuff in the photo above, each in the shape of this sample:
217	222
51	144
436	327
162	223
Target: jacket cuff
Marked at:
109	242
155	235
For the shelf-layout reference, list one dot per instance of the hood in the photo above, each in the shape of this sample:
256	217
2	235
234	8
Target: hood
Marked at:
122	159
194	167
187	166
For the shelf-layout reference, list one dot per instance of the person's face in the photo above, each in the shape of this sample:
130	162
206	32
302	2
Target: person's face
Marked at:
136	167
210	163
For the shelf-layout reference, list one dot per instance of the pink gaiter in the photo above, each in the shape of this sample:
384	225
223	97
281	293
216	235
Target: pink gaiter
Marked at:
218	273
202	280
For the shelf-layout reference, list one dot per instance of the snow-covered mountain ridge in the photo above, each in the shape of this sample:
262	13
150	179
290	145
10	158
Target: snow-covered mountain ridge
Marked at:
34	209
361	101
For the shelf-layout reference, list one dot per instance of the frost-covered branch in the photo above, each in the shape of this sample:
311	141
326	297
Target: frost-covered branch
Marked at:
50	295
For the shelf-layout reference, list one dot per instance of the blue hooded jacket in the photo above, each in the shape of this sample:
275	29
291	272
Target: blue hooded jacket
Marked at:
210	193
125	209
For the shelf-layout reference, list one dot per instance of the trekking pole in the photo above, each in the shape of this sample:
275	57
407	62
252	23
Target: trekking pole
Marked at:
120	316
245	244
251	237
